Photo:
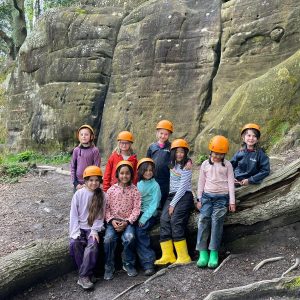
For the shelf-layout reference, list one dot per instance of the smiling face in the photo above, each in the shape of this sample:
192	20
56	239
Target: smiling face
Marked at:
92	183
162	135
124	146
217	157
250	138
148	174
179	154
84	136
124	175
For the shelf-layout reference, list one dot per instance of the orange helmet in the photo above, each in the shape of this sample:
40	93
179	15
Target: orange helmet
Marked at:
88	127
124	162
180	143
250	126
92	171
165	124
146	159
219	144
125	136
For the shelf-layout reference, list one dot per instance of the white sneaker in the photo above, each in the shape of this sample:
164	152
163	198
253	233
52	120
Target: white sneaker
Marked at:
85	283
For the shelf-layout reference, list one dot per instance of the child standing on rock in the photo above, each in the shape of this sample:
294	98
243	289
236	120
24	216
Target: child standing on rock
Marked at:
86	221
250	164
177	208
151	196
215	193
123	207
84	155
123	151
160	153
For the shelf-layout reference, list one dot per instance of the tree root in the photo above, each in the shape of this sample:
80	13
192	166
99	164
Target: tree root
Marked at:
287	285
293	267
265	261
231	256
127	290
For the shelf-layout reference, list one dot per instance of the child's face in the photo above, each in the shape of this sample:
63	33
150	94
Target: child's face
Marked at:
250	138
148	173
217	157
93	183
163	135
124	146
124	175
84	136
179	154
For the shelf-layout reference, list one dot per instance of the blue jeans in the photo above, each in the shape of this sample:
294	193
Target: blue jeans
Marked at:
212	214
110	243
143	247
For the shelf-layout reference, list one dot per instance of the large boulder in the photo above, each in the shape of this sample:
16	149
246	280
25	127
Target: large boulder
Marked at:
164	62
62	76
272	100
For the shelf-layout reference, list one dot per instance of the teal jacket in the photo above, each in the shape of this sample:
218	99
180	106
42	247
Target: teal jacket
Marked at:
151	195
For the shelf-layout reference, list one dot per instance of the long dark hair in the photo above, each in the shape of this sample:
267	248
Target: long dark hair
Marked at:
131	173
96	209
183	162
143	168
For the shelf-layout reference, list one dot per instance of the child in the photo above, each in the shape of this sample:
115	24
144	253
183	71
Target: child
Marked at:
151	196
250	164
123	151
86	220
84	155
176	211
215	190
122	210
160	153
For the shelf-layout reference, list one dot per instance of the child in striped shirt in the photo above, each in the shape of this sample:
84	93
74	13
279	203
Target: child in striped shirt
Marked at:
176	211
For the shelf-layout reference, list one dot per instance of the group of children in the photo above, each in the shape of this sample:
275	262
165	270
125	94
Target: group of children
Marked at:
133	191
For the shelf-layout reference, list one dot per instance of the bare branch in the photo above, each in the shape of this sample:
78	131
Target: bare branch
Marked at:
265	261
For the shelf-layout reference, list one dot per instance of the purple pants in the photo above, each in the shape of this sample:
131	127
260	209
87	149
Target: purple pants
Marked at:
85	253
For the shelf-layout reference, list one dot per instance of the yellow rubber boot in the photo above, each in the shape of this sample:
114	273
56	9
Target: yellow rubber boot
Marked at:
182	252
168	256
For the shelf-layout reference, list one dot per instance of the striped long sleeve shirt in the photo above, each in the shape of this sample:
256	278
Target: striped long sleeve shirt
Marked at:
180	182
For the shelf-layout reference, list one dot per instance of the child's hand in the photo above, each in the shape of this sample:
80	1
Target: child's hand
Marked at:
199	205
188	165
95	237
237	182
245	182
141	224
122	226
232	207
171	210
115	224
79	186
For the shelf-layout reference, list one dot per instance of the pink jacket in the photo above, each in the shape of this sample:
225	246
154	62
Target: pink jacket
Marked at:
123	203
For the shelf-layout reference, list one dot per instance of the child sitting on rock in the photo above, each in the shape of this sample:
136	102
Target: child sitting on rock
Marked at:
250	164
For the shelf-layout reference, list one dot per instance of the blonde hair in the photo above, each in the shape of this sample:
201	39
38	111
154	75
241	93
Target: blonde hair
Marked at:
118	150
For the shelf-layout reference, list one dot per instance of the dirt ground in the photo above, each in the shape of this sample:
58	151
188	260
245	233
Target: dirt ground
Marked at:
38	207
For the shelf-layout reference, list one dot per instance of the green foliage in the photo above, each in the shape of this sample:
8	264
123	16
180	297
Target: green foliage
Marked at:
13	166
201	158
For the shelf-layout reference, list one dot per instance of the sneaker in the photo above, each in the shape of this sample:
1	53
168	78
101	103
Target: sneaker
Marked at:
93	279
85	283
109	274
149	272
131	271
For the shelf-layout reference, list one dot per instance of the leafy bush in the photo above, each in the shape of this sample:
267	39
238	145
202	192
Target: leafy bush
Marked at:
201	158
26	156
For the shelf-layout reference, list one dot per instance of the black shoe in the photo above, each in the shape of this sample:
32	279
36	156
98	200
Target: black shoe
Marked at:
131	271
149	272
109	274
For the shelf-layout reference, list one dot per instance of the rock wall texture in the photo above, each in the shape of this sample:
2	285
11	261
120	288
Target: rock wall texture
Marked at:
209	66
62	76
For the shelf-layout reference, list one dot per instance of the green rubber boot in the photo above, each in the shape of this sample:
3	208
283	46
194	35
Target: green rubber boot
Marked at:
213	259
203	259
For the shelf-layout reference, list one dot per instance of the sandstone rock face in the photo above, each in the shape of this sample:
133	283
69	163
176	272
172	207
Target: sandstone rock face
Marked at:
62	76
273	100
164	61
257	35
